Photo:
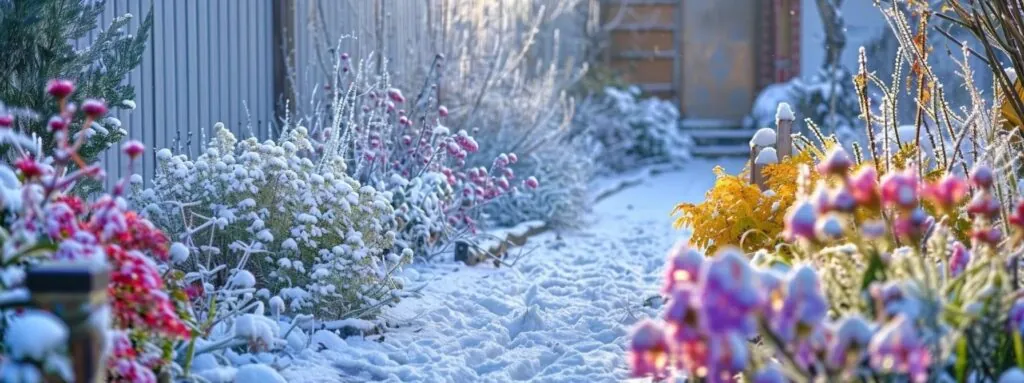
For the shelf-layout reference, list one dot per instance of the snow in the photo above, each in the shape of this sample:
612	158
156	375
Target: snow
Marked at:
767	156
562	313
784	112
243	279
34	335
258	373
763	137
179	252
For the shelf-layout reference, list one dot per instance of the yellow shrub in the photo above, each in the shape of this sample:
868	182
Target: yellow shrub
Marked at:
736	212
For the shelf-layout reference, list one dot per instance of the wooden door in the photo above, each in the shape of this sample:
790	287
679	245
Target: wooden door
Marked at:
718	58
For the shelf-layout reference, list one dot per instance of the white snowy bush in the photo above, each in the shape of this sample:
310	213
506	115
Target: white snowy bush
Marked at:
630	131
320	239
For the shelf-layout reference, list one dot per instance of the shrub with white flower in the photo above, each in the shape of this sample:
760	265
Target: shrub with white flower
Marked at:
322	241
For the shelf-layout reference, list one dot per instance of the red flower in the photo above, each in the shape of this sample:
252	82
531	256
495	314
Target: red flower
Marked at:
29	167
60	88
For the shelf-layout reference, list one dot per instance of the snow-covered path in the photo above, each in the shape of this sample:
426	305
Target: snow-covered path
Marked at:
560	315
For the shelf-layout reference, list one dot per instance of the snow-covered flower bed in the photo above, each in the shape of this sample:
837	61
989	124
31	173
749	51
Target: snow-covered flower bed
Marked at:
312	235
43	223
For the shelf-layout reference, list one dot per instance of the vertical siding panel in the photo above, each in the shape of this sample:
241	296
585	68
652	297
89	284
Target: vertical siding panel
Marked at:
202	68
179	55
146	102
160	101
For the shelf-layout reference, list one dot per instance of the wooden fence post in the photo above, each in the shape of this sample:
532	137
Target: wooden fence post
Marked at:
73	293
762	140
784	120
283	42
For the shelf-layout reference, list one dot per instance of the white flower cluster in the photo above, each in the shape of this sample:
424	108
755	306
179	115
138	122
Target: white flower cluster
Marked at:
324	241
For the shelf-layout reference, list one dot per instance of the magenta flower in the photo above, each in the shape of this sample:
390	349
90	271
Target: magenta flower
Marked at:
1017	217
727	356
982	177
133	149
849	344
863	185
728	294
836	163
900	189
990	236
984	205
681	315
959	259
897	348
59	88
682	266
6	121
94	108
649	350
947	192
531	183
912	225
442	111
57	124
800	221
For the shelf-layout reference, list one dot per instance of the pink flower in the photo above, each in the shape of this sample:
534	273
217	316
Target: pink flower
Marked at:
863	185
59	88
133	149
1017	218
837	163
6	121
649	350
344	56
513	158
947	192
396	95
900	189
911	225
442	111
982	177
94	108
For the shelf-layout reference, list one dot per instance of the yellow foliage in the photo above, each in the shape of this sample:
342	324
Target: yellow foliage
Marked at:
738	213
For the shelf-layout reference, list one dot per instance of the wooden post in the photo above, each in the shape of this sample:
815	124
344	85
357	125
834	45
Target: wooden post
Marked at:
756	169
72	293
784	134
283	42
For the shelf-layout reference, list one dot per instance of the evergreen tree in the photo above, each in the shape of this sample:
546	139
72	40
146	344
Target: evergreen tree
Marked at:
36	38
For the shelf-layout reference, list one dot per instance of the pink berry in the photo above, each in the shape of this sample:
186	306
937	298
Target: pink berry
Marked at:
442	111
60	88
133	149
531	183
6	121
94	108
396	95
513	158
344	56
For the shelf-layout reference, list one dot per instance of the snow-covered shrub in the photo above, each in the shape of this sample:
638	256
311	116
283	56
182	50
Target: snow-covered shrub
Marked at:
42	222
434	175
631	131
324	241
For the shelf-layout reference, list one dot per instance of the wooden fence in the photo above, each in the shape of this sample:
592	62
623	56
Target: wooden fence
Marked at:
229	61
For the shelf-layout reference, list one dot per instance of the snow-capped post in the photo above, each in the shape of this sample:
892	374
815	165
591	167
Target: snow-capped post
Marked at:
784	117
77	294
762	140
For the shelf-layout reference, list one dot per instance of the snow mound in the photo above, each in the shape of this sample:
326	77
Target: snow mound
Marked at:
258	373
784	112
763	137
767	156
34	335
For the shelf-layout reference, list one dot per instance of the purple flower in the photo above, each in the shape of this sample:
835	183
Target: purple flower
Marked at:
769	374
849	343
727	356
873	230
800	221
1017	316
804	307
728	294
682	266
837	163
959	259
894	300
982	177
912	225
649	350
681	315
897	348
983	204
842	201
